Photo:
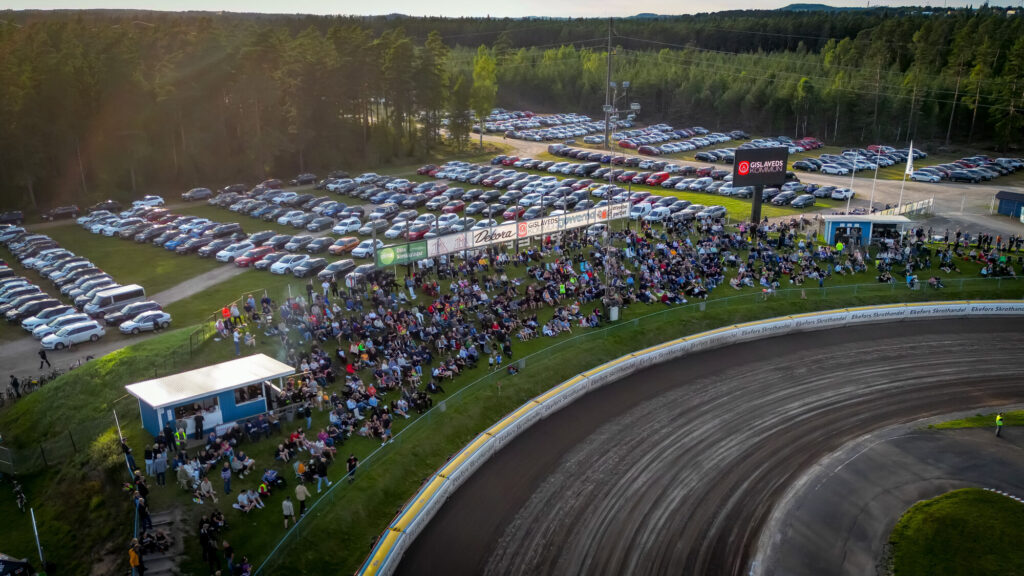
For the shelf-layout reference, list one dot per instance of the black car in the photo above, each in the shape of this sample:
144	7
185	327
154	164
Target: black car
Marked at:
279	241
235	188
193	245
803	201
165	237
276	213
298	243
214	247
336	269
108	205
269	260
197	194
130	311
224	230
963	176
31	308
309	267
303	179
299	200
304	220
805	166
320	223
319	245
12	217
259	238
61	212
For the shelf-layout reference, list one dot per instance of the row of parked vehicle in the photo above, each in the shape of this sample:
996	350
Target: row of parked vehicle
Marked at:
972	169
542	128
97	298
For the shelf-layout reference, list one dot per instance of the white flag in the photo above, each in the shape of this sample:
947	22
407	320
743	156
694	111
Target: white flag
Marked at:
910	159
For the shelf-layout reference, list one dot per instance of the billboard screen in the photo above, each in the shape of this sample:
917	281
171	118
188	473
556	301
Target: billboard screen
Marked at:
760	167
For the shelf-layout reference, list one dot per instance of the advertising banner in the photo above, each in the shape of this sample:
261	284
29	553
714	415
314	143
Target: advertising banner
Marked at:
401	254
760	167
523	229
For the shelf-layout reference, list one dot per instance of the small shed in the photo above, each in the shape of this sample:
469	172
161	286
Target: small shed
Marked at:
862	230
1010	203
223	393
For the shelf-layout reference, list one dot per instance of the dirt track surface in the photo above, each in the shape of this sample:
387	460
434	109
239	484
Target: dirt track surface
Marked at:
675	470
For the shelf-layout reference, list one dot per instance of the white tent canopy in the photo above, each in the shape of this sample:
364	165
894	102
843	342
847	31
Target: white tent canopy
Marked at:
202	382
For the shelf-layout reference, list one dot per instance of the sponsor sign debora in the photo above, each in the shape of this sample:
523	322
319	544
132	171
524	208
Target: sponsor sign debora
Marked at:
760	167
509	231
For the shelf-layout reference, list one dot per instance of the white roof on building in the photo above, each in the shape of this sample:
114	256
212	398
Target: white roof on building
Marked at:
202	382
875	218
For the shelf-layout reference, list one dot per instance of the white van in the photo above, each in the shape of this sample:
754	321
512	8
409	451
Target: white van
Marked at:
659	214
640	210
114	299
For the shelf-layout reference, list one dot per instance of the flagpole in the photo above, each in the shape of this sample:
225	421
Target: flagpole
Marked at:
900	203
907	172
871	203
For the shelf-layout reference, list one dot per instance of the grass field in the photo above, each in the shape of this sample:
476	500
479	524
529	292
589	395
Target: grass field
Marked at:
983	421
969	532
129	262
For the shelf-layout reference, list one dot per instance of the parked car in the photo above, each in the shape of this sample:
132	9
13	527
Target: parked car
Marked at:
309	267
130	311
46	315
197	194
803	201
288	263
89	330
61	212
146	322
304	179
149	200
319	245
253	256
366	248
269	260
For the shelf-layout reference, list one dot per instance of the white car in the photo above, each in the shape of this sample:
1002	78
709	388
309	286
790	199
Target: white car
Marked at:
489	223
57	323
73	334
426	219
286	264
283	197
921	176
842	194
149	201
289	216
531	199
146	322
366	248
368	177
9	233
396	230
334	186
347	225
834	169
229	253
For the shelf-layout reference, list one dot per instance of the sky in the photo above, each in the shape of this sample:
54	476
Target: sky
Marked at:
453	8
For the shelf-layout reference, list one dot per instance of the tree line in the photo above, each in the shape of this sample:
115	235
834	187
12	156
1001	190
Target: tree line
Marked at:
106	103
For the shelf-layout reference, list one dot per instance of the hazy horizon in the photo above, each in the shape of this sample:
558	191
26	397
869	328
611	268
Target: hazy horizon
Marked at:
447	8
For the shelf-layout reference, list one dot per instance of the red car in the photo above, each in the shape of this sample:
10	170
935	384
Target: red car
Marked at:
618	160
627	144
253	256
513	213
454	207
705	171
626	176
155	215
424	170
417	231
510	160
657	178
649	151
491	180
582	184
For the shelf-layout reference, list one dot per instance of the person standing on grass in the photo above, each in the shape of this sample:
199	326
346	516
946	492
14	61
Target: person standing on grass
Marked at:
289	511
352	464
237	337
229	555
225	475
199	425
160	465
43	360
301	494
999	424
15	385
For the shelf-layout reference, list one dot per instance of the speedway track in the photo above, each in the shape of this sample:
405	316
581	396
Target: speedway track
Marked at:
675	469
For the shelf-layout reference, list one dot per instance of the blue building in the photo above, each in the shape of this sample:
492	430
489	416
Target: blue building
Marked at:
1010	203
862	230
223	393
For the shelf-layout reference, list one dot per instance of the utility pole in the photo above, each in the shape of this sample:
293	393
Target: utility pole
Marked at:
974	115
607	88
910	119
874	120
956	96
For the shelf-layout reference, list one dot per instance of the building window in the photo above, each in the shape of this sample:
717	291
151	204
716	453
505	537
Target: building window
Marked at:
189	410
248	394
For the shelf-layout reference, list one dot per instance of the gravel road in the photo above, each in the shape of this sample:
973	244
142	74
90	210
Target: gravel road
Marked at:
675	470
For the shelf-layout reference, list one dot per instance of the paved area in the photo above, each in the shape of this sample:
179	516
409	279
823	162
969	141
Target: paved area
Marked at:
837	518
676	470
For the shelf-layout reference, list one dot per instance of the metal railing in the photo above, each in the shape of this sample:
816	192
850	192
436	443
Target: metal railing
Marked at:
563	358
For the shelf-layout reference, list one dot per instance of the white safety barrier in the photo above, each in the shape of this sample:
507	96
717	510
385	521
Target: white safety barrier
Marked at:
403	530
